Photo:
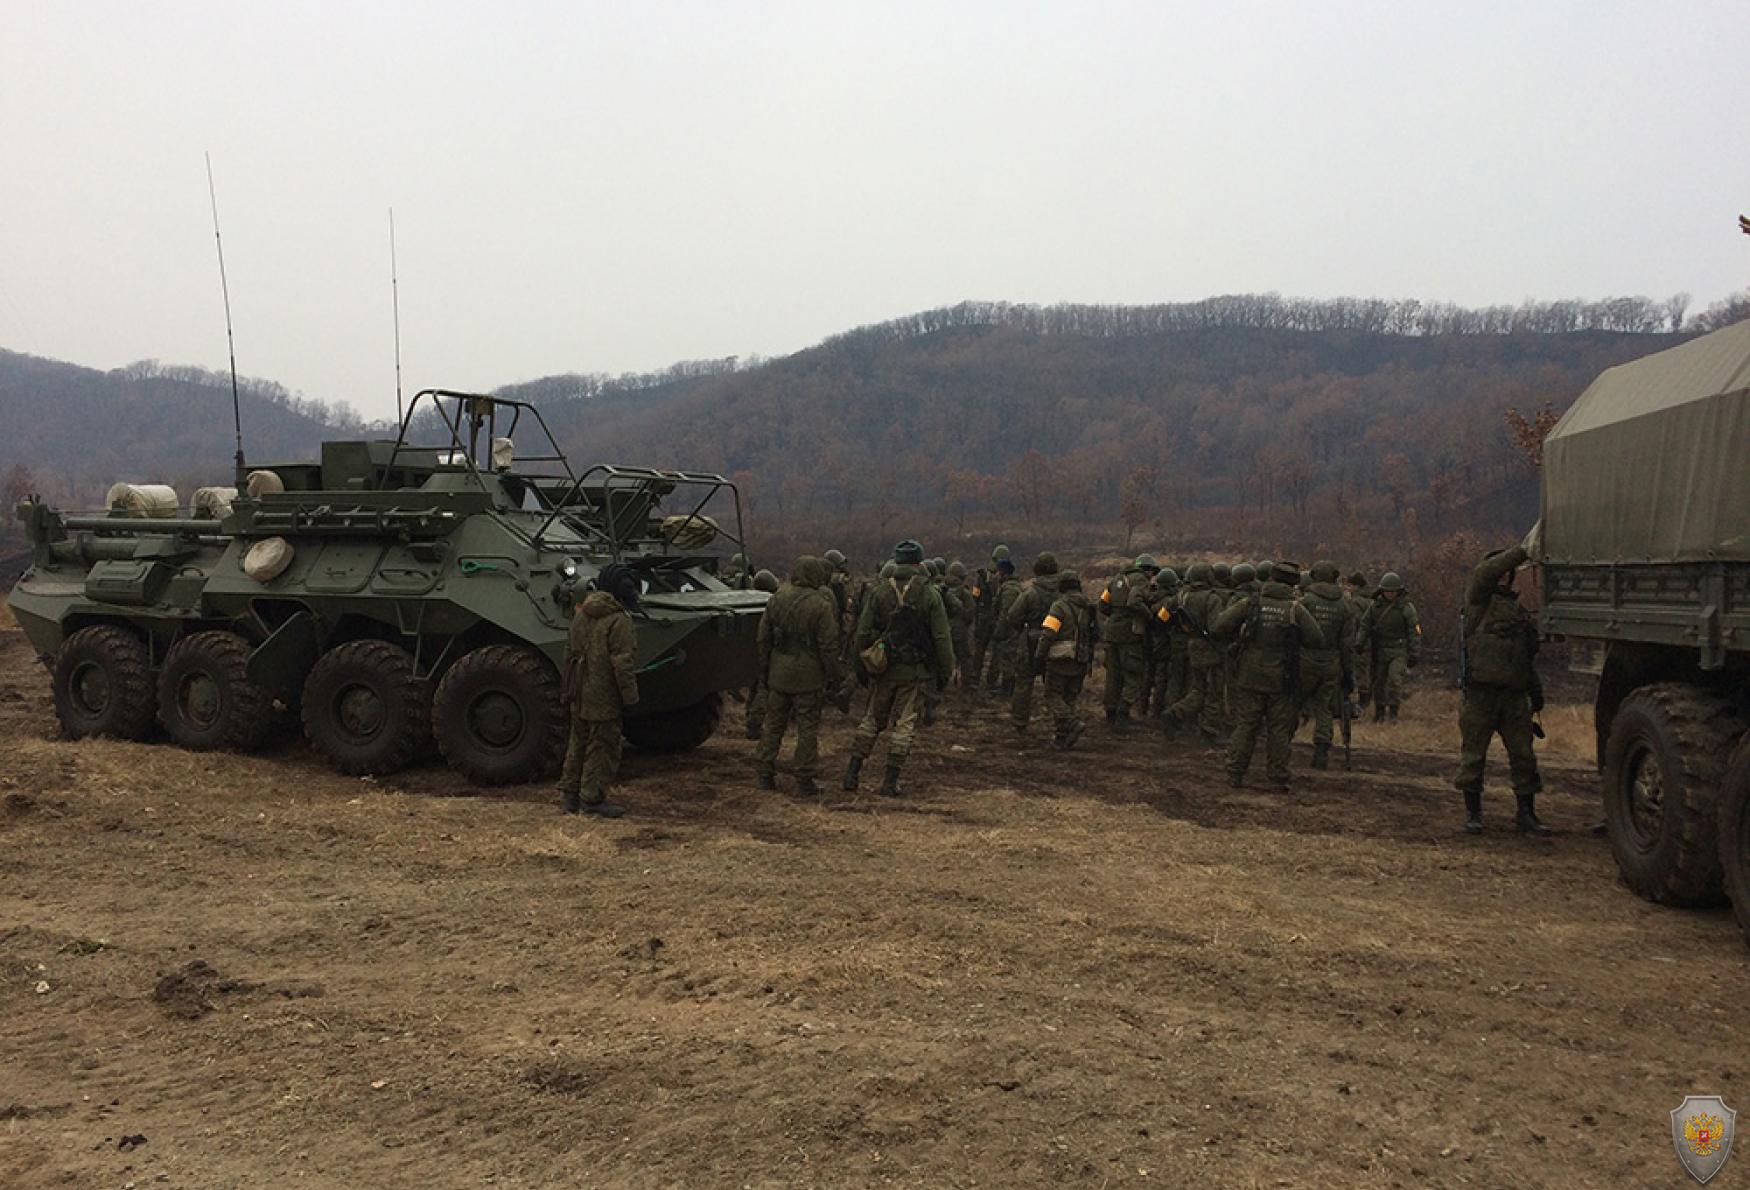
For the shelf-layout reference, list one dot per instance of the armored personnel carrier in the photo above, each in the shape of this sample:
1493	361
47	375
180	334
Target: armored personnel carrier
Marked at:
1644	544
393	596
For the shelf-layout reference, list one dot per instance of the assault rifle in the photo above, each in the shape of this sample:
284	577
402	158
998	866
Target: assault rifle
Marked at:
1463	654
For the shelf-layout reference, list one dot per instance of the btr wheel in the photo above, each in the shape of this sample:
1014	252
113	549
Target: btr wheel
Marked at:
497	716
365	709
679	730
1663	765
103	684
1735	833
205	697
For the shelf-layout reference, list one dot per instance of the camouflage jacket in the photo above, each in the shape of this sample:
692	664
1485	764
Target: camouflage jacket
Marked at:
1270	629
598	657
798	634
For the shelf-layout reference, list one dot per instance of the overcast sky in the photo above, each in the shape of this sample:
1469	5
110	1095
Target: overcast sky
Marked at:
594	187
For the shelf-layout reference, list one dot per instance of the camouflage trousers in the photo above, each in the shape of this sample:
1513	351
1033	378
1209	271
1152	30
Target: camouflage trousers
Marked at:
756	709
1168	671
592	758
1273	714
780	707
1063	688
972	674
1320	690
1391	672
960	636
894	705
1488	711
1205	699
1124	669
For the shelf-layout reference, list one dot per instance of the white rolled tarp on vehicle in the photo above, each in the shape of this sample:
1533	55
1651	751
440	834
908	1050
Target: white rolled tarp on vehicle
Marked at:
155	501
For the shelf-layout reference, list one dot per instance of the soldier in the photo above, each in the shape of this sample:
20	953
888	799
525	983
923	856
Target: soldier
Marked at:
936	570
1063	651
1271	629
1125	606
599	685
962	610
1001	674
905	618
1359	599
1178	643
1327	673
1244	583
1020	627
843	597
735	573
985	585
1200	706
1393	635
799	656
1502	693
1157	676
753	725
1222	578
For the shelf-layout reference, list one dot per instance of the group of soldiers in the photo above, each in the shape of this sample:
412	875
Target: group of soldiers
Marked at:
1222	653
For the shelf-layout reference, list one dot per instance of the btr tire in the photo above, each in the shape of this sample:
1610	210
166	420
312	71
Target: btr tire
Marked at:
365	709
498	718
103	684
679	730
1664	763
205	698
1735	833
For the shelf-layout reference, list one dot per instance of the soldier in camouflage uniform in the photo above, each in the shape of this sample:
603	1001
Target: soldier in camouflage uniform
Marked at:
936	569
985	584
755	719
1126	610
844	597
799	656
735	571
1271	629
599	684
962	611
1001	674
1359	598
1393	635
905	616
1327	673
1064	650
1165	680
1200	603
1021	627
1502	692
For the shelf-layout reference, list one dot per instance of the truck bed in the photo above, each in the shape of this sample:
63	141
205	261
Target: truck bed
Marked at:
1698	605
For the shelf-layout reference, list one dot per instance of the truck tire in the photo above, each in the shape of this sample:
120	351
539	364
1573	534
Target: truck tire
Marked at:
103	684
1735	833
205	698
679	730
498	718
365	709
1663	766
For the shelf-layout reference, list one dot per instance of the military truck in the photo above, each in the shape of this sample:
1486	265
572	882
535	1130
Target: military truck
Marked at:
393	597
1644	547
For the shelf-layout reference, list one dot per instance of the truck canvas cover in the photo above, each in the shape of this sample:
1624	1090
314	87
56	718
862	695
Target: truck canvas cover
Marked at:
1652	464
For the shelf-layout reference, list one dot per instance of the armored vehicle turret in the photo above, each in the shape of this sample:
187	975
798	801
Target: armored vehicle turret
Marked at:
394	597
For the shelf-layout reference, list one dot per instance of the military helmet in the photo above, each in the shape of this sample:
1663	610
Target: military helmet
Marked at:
1221	572
1146	562
957	569
1286	573
1390	581
1000	554
1068	580
1168	577
908	553
1045	563
1245	572
888	569
737	561
835	559
765	580
1261	570
1324	572
1357	579
1200	572
940	563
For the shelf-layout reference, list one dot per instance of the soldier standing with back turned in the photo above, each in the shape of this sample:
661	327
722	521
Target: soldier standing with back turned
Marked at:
799	655
1021	626
1126	608
1393	633
598	686
1064	649
1326	673
1271	629
1502	692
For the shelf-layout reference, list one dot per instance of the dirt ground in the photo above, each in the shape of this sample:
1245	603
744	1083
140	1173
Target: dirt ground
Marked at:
1103	968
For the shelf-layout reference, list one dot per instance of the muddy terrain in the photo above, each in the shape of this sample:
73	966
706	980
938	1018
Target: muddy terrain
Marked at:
1103	968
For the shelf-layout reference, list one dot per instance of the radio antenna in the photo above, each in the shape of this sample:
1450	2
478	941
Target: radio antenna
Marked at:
230	339
395	294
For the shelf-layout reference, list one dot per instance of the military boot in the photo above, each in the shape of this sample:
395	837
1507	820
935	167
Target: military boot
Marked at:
1527	820
807	787
1112	717
1379	712
569	801
768	781
1321	756
603	809
890	781
1473	813
1394	714
853	770
1073	734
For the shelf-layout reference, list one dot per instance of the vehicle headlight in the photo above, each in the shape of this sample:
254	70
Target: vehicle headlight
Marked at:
568	569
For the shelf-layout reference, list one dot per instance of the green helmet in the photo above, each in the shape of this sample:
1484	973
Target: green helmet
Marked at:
1045	563
1324	572
1146	562
1245	572
1286	573
957	569
909	553
1390	581
1200	572
737	561
835	559
1168	577
999	554
888	569
1068	580
1356	579
1221	573
765	580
